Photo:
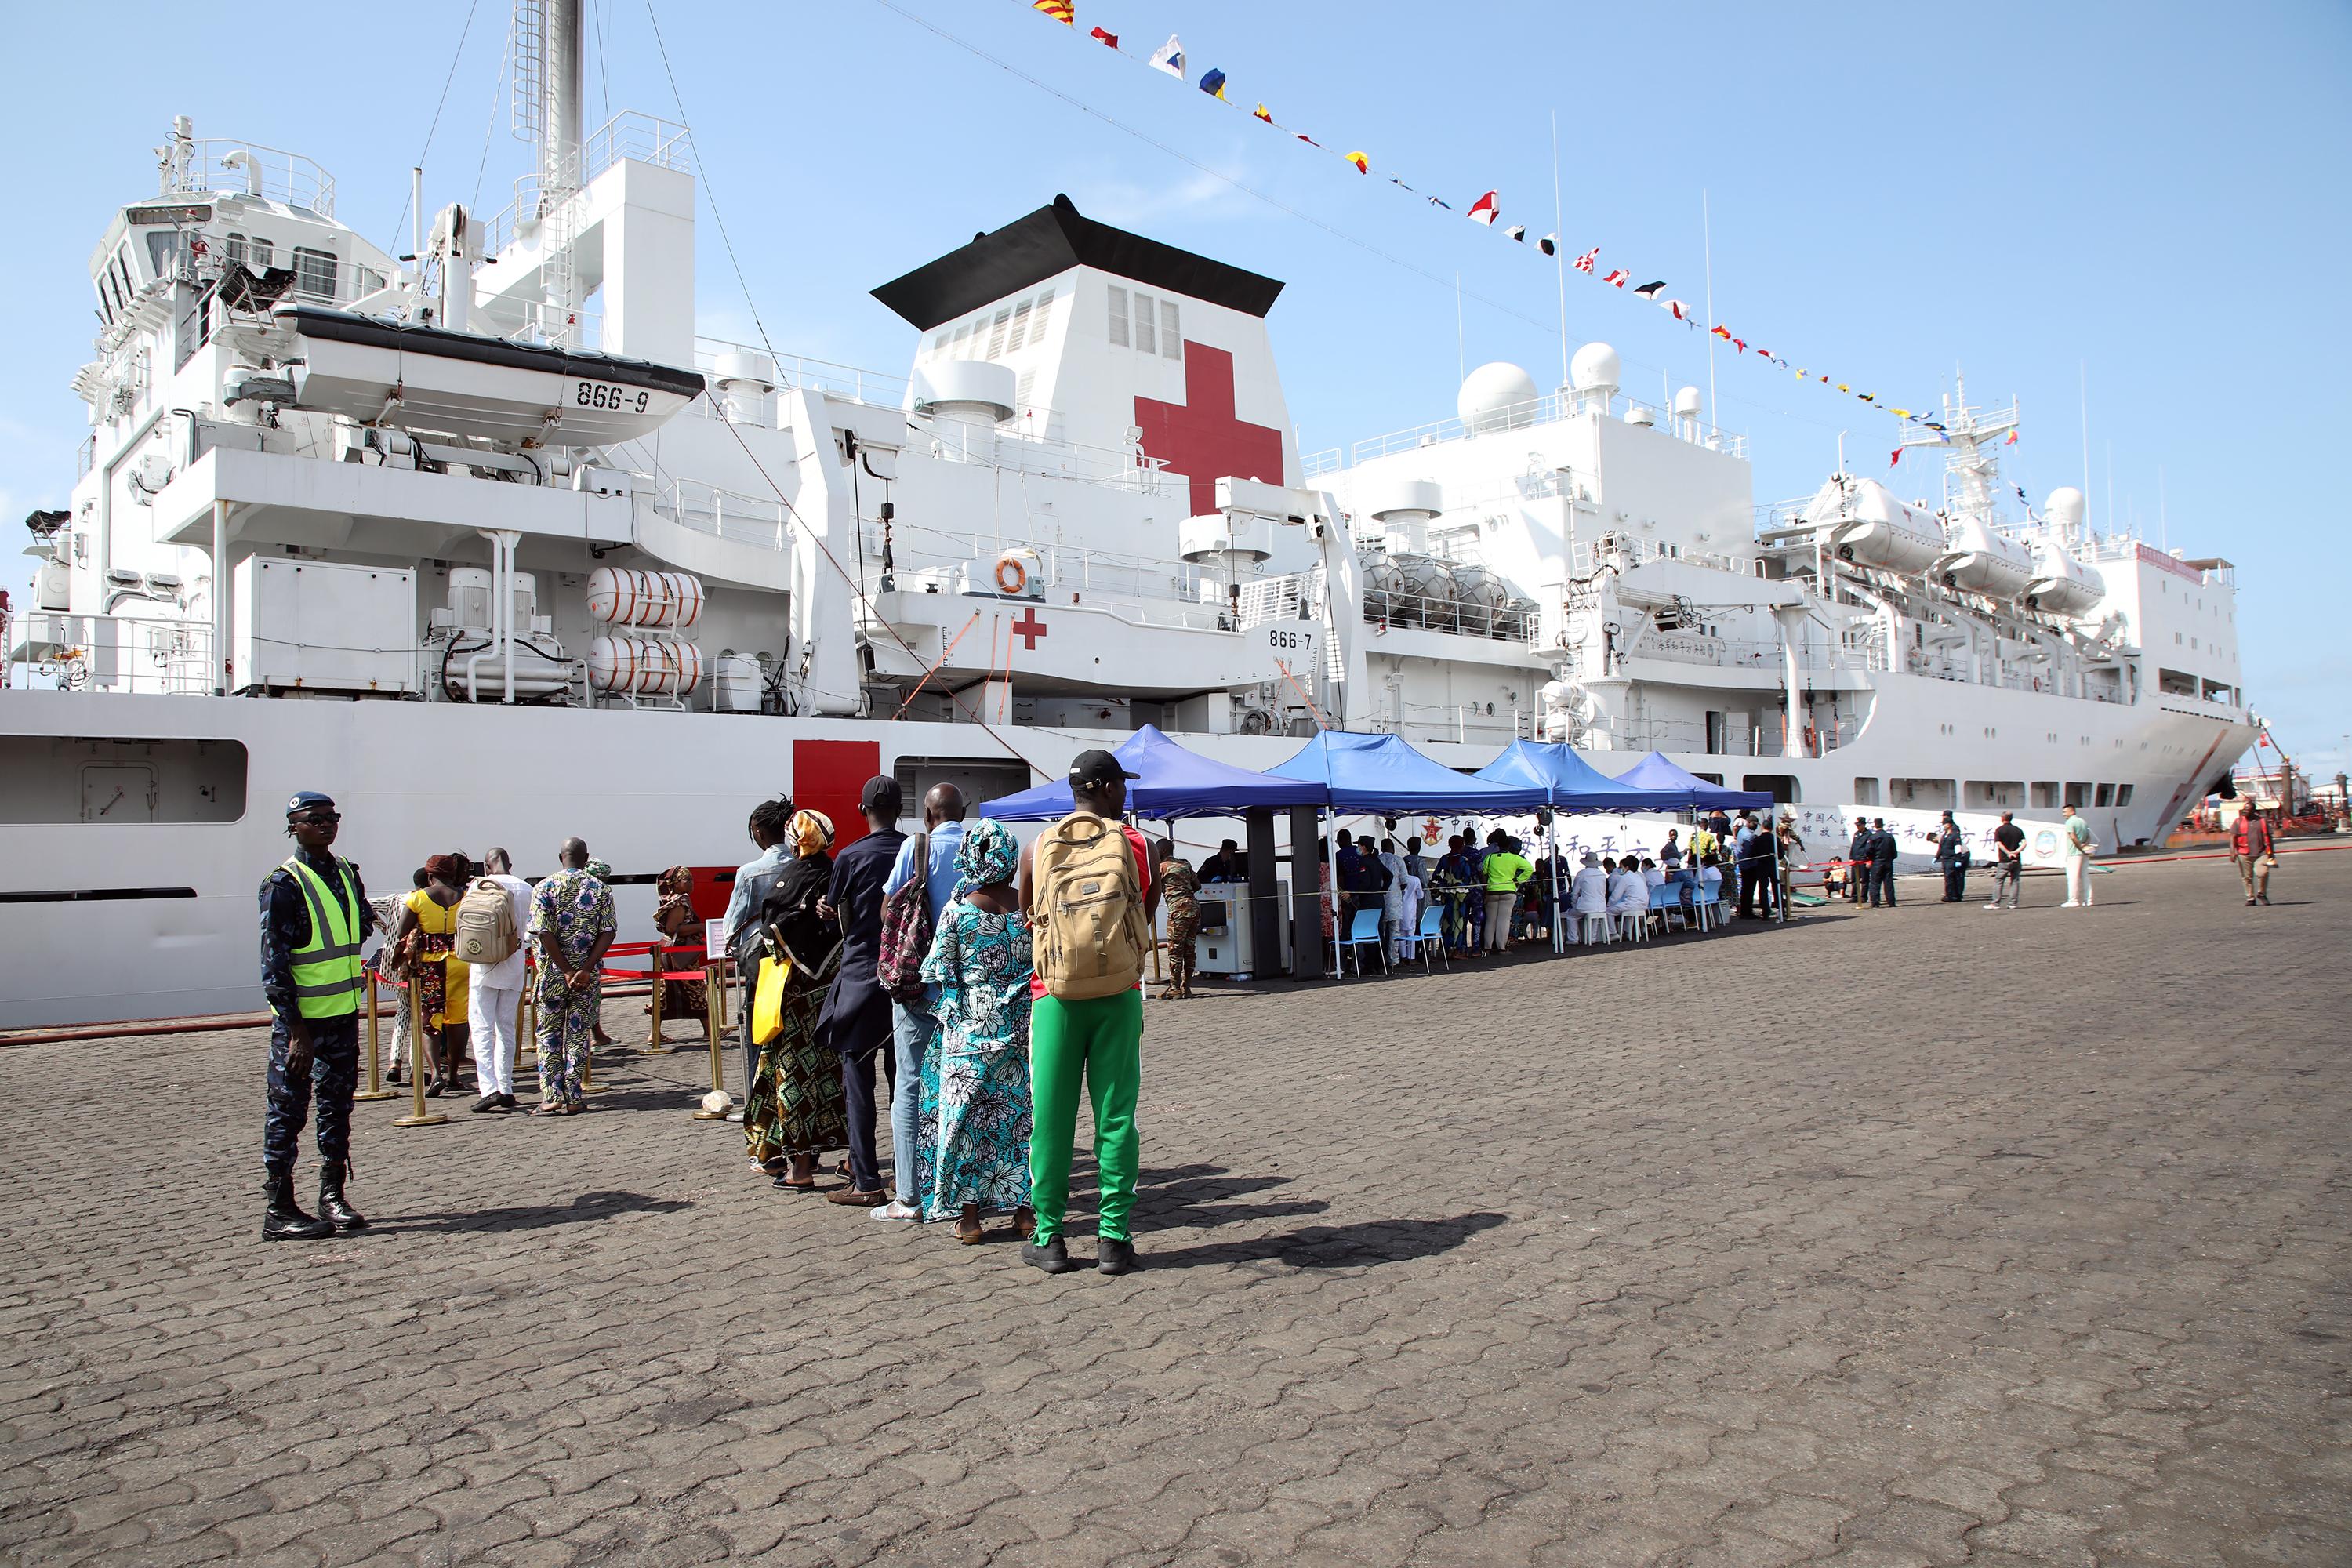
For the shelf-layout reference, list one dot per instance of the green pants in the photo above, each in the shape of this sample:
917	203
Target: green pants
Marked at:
1102	1040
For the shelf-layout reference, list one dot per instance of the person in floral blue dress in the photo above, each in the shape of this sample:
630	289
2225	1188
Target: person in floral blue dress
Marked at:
571	926
975	1092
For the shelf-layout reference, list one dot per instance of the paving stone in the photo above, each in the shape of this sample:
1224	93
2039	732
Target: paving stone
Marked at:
1894	1238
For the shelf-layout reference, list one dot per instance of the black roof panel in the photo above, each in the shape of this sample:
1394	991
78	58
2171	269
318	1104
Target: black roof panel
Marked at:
1054	239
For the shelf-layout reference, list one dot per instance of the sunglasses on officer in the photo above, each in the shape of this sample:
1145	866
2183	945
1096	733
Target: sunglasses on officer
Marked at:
316	818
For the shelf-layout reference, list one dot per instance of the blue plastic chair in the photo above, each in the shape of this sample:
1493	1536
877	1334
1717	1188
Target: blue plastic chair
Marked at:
1430	930
1666	905
1363	931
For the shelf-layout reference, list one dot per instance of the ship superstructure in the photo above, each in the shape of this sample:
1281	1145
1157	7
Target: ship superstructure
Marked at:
373	523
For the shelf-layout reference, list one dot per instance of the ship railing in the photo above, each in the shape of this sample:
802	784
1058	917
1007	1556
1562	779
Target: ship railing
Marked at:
1624	549
86	455
1777	516
537	322
1142	593
1546	409
264	172
1121	468
1687	646
647	138
875	387
721	513
1503	622
1315	465
138	655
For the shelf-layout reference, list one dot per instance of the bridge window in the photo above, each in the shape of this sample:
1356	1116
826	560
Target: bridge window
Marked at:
1117	317
1171	337
1146	333
314	272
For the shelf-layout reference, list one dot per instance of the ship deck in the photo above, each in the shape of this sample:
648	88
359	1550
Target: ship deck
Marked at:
1896	1237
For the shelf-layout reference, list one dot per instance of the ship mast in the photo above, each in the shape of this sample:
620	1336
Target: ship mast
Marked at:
550	90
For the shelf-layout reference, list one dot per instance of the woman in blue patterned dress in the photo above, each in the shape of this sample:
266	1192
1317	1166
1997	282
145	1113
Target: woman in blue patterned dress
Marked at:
976	1084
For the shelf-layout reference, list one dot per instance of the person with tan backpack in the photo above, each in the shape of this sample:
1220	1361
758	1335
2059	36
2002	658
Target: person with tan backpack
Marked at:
1085	885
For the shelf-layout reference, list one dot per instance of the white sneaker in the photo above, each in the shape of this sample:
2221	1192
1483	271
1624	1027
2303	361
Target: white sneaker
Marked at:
2070	904
893	1209
1992	906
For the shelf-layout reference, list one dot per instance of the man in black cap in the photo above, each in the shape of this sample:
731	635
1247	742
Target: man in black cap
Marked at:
314	916
1085	885
857	1016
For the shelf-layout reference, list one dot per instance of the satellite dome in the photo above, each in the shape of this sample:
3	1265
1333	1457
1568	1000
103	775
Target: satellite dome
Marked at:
2065	507
1497	396
1594	369
1688	402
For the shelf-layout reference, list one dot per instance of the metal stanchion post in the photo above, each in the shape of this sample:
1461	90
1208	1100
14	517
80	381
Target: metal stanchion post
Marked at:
374	1089
721	969
588	1084
654	1044
417	1116
715	998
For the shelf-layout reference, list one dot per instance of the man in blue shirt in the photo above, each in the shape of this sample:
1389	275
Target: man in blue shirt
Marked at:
915	1027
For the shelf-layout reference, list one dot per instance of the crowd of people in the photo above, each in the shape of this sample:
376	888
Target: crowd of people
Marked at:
1488	896
989	982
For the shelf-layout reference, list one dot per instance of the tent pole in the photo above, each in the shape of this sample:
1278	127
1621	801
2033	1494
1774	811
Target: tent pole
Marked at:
1340	911
1551	854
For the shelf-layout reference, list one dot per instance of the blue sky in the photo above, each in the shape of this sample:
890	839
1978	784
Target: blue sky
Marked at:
2155	190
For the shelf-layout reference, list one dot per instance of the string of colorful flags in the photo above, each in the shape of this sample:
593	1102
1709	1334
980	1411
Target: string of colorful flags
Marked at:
1486	211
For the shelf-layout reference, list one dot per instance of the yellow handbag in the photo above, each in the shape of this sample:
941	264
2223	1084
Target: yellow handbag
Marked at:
768	999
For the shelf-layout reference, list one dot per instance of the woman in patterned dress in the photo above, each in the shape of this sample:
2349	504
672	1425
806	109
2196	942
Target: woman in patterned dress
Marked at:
1179	887
676	920
976	1083
429	930
796	1107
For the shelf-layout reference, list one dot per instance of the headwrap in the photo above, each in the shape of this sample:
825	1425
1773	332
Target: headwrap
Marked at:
600	869
812	833
676	882
446	868
989	854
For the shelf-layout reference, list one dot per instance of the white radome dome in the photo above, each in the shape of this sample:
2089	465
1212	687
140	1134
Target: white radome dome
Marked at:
1594	369
1688	402
2065	506
1497	396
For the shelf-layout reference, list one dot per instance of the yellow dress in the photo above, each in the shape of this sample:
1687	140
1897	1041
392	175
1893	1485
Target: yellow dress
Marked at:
439	979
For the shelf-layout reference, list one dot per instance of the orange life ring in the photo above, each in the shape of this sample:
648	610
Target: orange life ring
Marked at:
1020	575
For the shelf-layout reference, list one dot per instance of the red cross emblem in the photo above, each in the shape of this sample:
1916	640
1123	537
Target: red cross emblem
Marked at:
1200	438
1029	629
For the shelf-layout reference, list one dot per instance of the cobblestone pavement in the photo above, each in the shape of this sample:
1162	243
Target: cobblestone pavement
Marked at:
1908	1237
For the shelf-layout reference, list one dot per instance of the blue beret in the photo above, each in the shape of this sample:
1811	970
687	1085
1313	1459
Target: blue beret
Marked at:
304	799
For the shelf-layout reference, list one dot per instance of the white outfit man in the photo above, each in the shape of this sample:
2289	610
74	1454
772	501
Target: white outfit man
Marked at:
2074	844
494	993
1629	896
1588	894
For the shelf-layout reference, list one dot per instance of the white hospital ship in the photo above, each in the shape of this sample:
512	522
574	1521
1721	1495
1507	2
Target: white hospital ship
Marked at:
488	544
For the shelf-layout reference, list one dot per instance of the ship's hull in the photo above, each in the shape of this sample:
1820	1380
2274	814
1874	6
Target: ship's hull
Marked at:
111	920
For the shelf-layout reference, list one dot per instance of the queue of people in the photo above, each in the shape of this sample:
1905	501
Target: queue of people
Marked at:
991	983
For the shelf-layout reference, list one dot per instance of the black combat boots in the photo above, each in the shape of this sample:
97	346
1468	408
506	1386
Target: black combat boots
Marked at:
333	1208
285	1221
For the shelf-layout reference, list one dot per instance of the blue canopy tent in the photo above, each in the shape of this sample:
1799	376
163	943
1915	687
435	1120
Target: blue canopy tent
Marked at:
1170	782
1380	776
1677	790
1574	785
1571	784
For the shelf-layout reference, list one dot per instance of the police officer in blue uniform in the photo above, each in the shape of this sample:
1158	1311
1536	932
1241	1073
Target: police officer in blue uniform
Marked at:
314	916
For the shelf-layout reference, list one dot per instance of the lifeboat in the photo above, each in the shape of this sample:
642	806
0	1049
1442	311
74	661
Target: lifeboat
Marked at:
1877	530
2063	585
475	387
1983	561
